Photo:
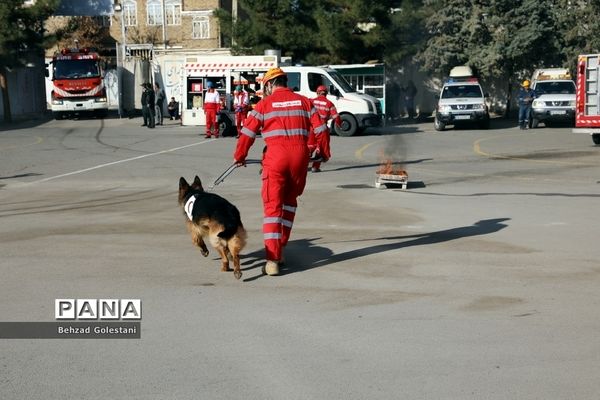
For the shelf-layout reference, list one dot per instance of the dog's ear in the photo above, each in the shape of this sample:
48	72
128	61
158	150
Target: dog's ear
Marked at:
183	184
184	187
197	183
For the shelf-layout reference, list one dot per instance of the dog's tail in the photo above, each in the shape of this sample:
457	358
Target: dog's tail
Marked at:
230	230
231	222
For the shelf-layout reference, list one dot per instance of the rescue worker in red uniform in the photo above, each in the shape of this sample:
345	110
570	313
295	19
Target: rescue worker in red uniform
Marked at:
240	106
320	144
212	105
284	119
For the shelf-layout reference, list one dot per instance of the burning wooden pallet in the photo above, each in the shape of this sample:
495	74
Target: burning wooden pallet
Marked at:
387	174
396	179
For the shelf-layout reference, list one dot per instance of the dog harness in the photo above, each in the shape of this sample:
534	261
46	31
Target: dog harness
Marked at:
189	206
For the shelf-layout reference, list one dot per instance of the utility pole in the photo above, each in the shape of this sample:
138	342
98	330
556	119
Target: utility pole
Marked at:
234	17
164	24
117	7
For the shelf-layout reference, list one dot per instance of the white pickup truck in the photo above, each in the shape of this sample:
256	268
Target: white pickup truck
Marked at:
461	101
555	97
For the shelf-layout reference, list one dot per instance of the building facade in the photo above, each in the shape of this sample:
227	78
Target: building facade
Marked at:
169	24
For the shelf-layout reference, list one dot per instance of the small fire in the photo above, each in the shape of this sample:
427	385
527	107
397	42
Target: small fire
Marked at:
387	167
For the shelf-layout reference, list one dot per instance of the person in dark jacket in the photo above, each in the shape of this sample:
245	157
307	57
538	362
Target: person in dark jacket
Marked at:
150	104
144	101
526	96
173	108
410	91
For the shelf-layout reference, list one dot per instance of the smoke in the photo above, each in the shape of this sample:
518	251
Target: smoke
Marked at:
395	149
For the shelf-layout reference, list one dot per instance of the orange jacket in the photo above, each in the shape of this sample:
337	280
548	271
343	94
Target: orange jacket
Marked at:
326	110
283	117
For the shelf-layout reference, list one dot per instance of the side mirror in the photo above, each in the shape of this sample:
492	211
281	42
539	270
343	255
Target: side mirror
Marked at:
486	95
46	71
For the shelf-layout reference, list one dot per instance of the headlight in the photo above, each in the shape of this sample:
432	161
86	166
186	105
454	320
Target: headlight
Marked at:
57	102
572	103
444	109
100	99
538	103
478	106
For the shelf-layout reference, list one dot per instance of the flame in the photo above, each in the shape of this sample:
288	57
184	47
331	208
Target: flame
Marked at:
388	167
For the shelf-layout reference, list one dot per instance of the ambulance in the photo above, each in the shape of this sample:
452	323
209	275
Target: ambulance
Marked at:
358	111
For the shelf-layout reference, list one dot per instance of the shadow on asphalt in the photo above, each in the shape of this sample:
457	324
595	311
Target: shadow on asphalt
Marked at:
303	254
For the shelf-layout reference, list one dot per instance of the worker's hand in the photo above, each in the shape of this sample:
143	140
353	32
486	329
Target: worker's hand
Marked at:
241	163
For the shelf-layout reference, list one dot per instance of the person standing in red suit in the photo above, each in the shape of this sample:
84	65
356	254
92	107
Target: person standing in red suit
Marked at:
212	105
284	119
240	106
320	144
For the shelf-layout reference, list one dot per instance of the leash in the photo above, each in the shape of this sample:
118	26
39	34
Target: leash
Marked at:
228	172
233	167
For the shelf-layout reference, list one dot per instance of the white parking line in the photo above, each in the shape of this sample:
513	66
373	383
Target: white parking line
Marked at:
115	162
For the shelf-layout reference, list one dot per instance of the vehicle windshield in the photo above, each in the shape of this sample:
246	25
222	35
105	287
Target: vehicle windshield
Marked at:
341	81
472	91
555	88
72	69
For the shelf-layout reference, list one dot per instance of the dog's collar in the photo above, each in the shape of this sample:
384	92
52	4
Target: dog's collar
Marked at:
189	206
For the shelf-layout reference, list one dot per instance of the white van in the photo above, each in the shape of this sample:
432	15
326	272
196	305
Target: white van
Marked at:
358	111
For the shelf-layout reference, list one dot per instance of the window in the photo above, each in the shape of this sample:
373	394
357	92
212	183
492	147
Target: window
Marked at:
154	13
130	13
200	28
102	20
173	12
555	88
314	80
450	92
294	81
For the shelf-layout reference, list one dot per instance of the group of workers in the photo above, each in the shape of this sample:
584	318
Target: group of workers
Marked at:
153	101
294	129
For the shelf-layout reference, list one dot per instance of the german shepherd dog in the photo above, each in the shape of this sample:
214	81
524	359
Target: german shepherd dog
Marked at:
208	215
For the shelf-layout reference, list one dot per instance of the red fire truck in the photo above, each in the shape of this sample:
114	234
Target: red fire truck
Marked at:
77	83
587	112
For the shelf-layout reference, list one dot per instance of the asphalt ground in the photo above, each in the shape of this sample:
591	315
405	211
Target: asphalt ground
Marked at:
479	281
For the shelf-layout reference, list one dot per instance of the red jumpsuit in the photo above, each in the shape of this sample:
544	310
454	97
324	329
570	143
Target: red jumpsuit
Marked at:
284	119
326	111
240	105
212	103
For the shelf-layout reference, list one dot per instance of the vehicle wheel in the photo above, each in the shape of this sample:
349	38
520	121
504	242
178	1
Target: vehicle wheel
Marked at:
225	126
58	115
438	125
534	123
596	138
349	126
101	113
